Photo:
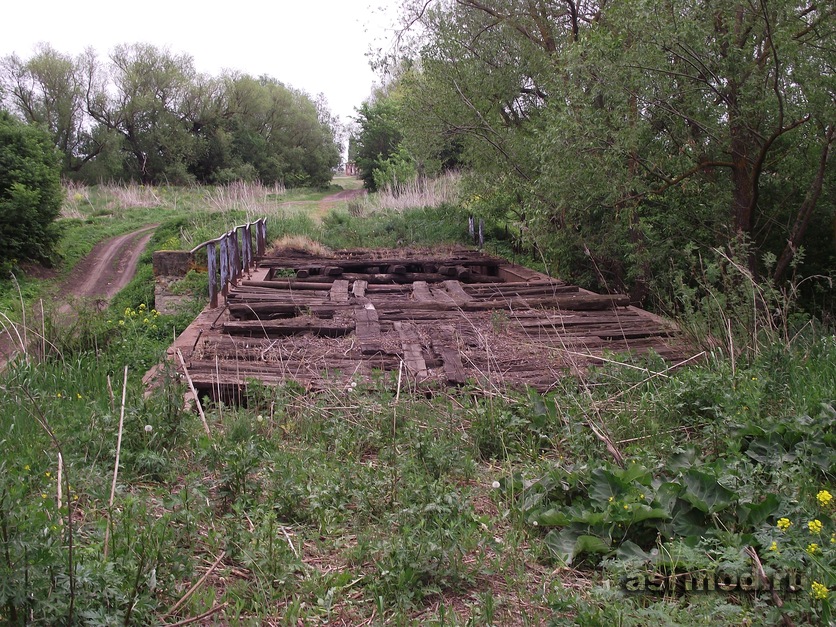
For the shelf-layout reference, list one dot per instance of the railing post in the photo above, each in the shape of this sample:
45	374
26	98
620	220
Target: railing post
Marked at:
260	236
236	255
224	266
213	288
248	246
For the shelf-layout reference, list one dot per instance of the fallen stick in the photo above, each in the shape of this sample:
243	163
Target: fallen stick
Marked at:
195	587
194	392
116	464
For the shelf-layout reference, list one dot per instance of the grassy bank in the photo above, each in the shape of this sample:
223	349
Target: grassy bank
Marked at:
374	505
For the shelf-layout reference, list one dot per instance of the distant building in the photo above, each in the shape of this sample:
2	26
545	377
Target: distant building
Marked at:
351	169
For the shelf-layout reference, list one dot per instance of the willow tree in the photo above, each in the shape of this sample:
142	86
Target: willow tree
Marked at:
622	131
48	90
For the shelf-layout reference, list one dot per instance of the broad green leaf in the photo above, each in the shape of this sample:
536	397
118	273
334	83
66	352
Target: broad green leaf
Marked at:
552	518
605	485
567	544
645	512
755	514
629	551
705	493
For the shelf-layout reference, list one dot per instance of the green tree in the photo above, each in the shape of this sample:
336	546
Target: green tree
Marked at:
30	191
616	133
48	90
378	137
140	98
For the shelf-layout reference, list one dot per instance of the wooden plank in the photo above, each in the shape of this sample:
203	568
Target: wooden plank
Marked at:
367	329
285	284
457	293
421	292
443	342
270	311
339	291
413	356
269	328
316	264
441	297
359	288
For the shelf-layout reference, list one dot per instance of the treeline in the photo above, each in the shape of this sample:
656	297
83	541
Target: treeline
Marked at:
146	114
621	137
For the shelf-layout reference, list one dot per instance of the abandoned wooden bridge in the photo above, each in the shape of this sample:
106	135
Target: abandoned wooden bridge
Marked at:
428	317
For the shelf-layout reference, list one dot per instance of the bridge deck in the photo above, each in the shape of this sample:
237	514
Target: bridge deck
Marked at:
441	317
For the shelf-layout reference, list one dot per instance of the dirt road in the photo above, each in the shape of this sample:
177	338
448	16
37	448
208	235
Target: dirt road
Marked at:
107	269
100	275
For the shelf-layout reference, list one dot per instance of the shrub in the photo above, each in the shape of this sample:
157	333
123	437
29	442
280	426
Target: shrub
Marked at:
30	191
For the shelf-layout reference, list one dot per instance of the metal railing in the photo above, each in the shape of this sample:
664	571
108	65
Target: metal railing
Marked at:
236	256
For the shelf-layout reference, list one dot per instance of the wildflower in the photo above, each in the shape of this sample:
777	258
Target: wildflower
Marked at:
145	321
824	497
611	499
814	526
26	467
58	395
626	507
121	323
128	312
495	485
535	523
819	591
773	546
142	307
148	428
78	396
784	524
43	495
833	538
641	496
754	378
47	474
812	548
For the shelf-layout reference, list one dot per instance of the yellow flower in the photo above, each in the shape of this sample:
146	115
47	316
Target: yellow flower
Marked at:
819	591
814	526
641	496
626	507
47	474
824	497
784	524
78	396
58	395
121	323
773	546
26	467
43	496
142	307
812	548
145	321
610	499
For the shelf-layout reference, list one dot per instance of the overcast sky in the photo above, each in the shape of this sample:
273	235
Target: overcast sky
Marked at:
313	45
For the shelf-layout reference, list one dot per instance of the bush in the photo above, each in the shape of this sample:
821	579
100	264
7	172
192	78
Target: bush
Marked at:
30	191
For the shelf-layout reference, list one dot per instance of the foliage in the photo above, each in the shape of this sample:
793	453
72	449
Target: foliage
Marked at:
616	134
147	115
377	139
30	192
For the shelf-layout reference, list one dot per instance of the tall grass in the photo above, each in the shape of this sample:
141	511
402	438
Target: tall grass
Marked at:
374	505
421	192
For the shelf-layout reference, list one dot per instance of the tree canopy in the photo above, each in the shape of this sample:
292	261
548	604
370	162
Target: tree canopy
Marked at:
614	134
146	114
30	191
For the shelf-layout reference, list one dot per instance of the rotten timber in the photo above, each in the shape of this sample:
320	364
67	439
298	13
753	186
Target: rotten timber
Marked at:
442	318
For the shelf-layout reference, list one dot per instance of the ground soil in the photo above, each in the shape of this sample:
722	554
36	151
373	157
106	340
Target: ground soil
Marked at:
99	276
